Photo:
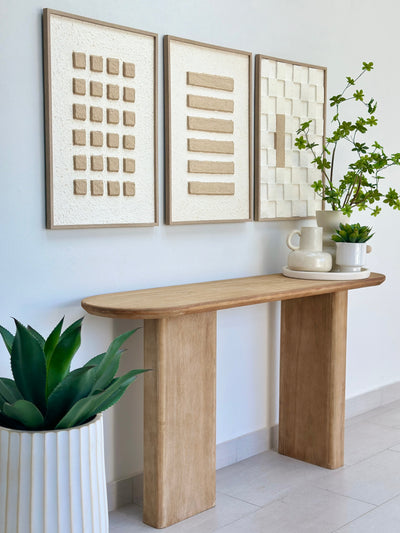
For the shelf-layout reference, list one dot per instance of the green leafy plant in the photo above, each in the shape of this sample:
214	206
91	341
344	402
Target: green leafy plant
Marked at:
45	394
352	233
359	187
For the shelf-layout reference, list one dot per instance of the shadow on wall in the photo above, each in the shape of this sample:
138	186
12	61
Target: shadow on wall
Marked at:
124	421
272	381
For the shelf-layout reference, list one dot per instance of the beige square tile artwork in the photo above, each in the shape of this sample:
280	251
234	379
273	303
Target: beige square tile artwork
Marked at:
289	94
110	137
101	96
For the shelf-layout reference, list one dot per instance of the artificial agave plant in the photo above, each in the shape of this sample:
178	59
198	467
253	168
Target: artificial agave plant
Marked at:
45	394
352	233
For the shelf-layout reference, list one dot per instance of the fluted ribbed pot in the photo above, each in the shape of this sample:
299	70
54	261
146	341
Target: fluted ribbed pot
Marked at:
53	481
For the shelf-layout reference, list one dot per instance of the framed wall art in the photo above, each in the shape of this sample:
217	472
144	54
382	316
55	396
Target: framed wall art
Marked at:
208	107
101	123
287	94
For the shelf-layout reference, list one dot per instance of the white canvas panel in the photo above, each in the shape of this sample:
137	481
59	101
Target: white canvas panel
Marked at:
133	198
186	57
290	94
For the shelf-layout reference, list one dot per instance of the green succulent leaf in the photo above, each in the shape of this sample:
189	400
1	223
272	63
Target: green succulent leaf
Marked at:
109	364
28	364
52	341
8	338
96	360
9	390
37	336
26	413
88	407
75	386
59	363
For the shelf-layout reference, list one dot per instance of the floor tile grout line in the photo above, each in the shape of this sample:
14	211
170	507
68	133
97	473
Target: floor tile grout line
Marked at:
240	500
345	466
350	497
361	515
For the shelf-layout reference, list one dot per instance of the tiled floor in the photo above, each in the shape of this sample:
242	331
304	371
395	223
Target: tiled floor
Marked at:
270	493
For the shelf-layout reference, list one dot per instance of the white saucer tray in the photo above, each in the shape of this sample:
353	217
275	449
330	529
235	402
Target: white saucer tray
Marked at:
327	276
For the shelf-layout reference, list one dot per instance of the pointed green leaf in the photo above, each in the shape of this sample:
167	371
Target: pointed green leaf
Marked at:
52	340
37	336
8	338
96	360
28	365
109	365
26	413
90	406
10	423
9	390
75	386
58	366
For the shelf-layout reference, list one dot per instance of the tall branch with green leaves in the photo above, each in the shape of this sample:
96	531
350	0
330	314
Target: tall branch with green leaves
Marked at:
359	187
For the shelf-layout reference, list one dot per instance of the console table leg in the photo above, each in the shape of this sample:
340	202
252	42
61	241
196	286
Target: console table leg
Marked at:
179	417
312	379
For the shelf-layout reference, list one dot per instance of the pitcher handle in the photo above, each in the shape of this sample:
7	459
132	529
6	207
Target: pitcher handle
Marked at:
289	240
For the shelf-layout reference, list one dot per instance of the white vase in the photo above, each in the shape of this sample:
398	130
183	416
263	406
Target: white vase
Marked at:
308	256
329	221
53	481
351	256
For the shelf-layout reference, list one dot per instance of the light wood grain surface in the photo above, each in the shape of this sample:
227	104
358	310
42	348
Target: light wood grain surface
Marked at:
179	418
213	295
312	379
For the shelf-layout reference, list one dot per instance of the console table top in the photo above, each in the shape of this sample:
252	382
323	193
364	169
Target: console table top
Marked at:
177	300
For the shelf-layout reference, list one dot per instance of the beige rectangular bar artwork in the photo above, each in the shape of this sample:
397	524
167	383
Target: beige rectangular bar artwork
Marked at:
206	146
214	187
287	94
211	95
101	112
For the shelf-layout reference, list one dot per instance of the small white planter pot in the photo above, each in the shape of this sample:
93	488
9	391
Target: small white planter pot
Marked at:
53	481
351	256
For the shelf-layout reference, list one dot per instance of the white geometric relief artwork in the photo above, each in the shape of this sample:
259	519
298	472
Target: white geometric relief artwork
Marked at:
101	123
287	95
208	135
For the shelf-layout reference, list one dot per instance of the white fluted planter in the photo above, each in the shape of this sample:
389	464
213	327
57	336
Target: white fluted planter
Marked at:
53	481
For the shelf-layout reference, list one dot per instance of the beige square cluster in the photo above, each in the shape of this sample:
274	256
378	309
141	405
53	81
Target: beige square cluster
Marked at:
96	89
79	60
96	114
289	95
80	187
112	140
107	139
128	70
79	137
129	118
129	142
129	188
112	66
97	187
96	138
79	86
113	188
96	63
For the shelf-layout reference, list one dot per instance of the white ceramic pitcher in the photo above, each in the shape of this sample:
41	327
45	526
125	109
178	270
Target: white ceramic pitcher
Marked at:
308	256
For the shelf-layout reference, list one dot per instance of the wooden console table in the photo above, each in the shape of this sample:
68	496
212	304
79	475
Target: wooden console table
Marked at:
179	397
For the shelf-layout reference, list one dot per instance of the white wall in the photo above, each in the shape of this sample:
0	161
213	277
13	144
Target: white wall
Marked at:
45	274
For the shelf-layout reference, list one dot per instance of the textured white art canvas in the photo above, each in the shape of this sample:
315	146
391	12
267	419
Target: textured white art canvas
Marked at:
101	127
287	95
208	106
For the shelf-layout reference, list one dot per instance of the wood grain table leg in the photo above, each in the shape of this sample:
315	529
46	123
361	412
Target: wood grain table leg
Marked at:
179	417
312	379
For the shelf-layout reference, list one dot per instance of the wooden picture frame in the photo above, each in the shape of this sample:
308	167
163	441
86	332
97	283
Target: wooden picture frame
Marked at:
100	84
208	133
282	173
